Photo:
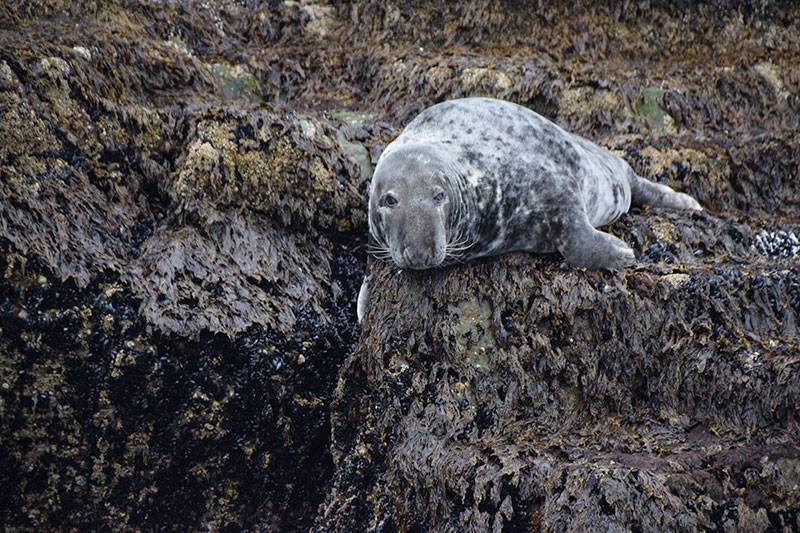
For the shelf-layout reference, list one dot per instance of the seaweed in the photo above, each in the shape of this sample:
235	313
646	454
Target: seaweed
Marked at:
183	233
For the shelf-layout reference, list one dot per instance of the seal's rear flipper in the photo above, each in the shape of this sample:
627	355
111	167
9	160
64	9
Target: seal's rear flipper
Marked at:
645	192
363	295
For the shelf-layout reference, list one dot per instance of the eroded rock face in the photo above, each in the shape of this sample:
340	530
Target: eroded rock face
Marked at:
182	236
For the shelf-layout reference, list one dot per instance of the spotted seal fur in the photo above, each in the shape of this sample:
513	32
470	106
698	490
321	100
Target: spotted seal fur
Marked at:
477	177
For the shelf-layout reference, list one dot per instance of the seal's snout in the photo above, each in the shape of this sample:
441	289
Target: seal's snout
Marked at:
415	258
418	258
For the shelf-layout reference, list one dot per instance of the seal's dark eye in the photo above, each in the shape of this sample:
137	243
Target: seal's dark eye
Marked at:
389	200
438	197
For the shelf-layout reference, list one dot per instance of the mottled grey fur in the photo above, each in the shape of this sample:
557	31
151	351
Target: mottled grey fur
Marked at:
512	180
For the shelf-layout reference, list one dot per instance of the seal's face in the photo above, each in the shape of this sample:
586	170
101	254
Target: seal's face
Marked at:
408	212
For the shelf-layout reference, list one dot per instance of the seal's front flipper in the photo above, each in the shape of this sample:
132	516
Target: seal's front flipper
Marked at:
584	246
645	192
363	295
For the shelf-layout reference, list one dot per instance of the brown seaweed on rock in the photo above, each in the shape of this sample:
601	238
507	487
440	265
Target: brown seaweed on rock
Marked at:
520	391
173	306
520	394
182	237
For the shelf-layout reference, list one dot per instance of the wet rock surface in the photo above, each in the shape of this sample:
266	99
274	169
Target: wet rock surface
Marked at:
182	237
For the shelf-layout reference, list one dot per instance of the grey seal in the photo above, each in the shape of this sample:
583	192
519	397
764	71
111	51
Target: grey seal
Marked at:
476	177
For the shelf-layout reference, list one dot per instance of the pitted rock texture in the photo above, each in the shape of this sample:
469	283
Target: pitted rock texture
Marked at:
182	238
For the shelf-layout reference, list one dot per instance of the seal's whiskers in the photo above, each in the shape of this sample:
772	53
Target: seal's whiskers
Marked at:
379	251
459	245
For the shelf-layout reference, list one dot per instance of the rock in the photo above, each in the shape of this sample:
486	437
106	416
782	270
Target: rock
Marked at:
83	52
183	234
520	391
651	110
178	285
236	82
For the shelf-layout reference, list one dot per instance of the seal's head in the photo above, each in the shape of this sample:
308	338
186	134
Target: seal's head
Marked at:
409	206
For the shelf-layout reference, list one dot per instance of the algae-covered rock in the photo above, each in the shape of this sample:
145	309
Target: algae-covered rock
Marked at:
520	391
183	234
290	166
236	82
515	393
178	277
108	423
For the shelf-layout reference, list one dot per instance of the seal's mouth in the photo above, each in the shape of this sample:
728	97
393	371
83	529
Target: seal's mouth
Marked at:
417	260
418	266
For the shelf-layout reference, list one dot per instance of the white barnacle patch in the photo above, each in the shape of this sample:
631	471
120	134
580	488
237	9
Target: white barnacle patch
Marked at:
308	128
